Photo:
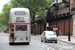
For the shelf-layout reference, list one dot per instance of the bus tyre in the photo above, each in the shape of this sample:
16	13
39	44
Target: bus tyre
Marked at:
10	43
27	43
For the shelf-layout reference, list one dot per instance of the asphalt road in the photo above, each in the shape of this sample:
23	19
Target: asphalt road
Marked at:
54	46
35	44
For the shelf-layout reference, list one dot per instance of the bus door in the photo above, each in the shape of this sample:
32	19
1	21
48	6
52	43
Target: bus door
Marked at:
21	33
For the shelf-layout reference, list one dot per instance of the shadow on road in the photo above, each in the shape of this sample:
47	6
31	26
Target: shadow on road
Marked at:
19	44
51	42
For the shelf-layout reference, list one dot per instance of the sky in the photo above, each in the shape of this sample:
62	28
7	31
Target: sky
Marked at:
2	2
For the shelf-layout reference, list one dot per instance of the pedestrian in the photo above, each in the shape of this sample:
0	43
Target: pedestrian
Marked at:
60	33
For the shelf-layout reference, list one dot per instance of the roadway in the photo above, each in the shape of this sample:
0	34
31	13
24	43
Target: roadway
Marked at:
35	44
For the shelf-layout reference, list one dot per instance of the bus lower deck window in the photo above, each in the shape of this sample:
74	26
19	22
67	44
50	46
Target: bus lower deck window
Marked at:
21	27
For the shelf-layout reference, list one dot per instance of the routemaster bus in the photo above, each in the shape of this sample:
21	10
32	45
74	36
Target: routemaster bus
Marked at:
19	26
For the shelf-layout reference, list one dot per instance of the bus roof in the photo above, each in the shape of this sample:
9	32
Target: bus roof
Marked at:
19	9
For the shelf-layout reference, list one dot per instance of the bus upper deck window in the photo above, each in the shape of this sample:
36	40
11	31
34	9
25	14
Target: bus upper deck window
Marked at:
22	13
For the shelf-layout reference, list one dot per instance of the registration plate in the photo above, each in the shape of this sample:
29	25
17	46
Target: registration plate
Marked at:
21	38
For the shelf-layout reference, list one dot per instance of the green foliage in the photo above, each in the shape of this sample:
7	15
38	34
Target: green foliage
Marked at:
42	14
6	10
36	7
49	1
5	15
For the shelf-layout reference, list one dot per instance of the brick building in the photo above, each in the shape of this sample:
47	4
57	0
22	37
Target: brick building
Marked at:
62	18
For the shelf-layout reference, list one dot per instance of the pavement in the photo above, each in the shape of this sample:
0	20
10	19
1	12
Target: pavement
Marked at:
64	39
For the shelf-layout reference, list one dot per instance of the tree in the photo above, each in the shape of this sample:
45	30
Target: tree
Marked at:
5	15
36	7
1	20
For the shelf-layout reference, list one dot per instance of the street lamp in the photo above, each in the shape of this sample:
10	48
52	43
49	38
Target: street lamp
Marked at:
34	26
69	24
56	14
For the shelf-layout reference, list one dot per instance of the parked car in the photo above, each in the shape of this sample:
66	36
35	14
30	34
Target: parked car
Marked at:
48	36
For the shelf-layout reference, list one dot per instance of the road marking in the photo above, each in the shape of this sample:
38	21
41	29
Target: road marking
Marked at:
60	48
34	41
63	44
39	44
44	46
50	48
66	47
